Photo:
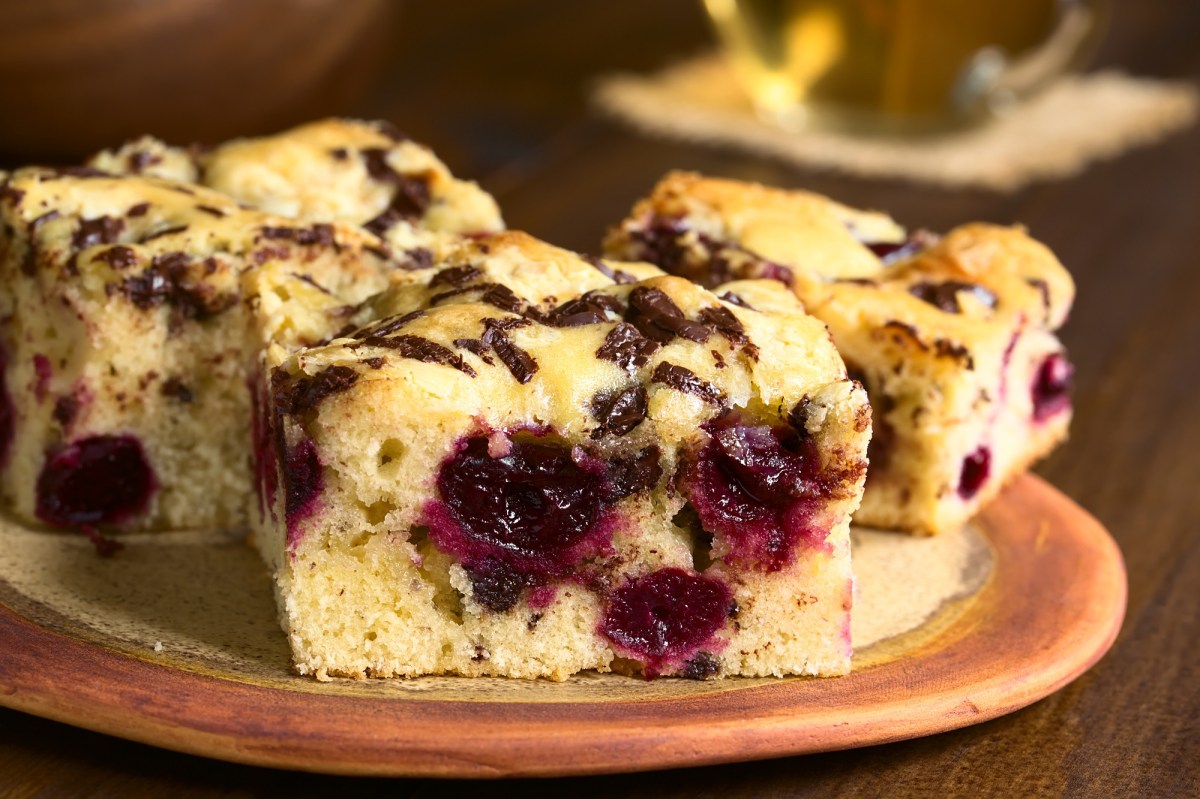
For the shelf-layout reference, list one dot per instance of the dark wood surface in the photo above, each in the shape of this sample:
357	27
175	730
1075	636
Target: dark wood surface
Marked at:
500	90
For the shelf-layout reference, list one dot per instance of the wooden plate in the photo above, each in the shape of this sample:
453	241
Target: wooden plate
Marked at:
174	643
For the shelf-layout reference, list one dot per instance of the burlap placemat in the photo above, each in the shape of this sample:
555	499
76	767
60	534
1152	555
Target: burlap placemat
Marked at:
1078	120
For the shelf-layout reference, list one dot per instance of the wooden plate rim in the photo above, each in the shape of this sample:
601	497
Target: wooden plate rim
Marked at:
1052	608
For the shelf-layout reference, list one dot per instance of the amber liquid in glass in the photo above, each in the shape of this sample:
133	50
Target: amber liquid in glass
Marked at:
899	59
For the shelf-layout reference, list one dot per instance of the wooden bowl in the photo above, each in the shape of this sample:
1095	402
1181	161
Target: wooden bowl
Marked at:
80	75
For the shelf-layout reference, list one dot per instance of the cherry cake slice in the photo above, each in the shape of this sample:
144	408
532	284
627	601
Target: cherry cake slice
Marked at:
501	471
952	336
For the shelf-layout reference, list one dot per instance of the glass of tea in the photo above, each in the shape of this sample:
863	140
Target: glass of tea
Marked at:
900	65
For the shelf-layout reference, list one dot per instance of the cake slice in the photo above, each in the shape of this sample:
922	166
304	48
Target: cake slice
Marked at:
363	173
953	336
639	477
123	324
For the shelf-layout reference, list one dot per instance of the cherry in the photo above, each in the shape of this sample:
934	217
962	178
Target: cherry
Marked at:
97	480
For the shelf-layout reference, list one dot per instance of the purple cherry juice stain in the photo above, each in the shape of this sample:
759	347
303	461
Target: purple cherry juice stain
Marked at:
97	480
761	490
303	481
42	371
1052	387
6	411
975	470
664	618
533	511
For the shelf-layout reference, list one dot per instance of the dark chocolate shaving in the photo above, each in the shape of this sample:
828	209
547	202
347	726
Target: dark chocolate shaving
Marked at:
944	295
627	348
658	318
170	280
615	275
208	209
299	394
455	276
317	234
119	257
422	349
589	309
631	474
476	346
138	210
174	388
519	362
167	231
685	381
619	412
101	230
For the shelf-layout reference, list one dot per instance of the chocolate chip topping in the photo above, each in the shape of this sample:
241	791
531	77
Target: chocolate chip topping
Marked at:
416	258
170	280
208	209
618	412
140	159
412	195
627	348
371	336
892	251
658	317
494	294
138	210
736	299
944	295
391	131
299	394
421	349
339	153
101	230
588	309
476	346
631	474
455	276
119	257
685	380
615	275
29	263
167	231
375	363
723	321
519	362
317	234
798	416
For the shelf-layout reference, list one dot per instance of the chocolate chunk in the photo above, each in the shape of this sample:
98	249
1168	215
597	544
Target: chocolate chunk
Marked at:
658	318
412	195
299	394
312	282
627	348
375	160
476	346
170	280
119	257
798	416
375	363
495	294
455	276
497	586
167	231
736	299
416	258
386	327
138	160
892	251
702	666
632	474
724	322
339	153
138	210
615	275
65	410
588	309
685	380
1044	288
422	349
101	230
619	412
173	387
944	295
208	209
519	362
317	234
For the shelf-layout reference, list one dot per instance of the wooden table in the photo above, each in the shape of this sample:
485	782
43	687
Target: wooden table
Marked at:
500	91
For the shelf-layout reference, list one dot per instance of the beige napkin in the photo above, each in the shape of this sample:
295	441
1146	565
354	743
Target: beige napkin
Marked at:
1077	120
